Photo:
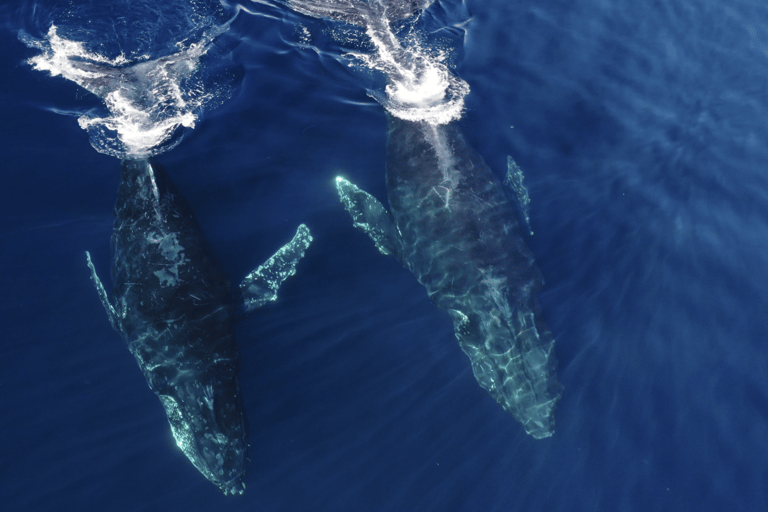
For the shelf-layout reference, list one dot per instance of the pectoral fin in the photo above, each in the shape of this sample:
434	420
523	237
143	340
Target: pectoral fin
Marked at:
261	285
114	319
370	215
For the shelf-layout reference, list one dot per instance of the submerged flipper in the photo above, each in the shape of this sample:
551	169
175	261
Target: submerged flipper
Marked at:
370	215
114	319
261	285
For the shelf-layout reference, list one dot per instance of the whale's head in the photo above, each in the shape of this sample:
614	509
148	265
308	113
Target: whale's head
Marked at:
208	424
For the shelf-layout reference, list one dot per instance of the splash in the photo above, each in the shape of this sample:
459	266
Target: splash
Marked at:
146	100
420	87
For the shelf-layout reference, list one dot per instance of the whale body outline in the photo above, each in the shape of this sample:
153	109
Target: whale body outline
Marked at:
453	225
175	311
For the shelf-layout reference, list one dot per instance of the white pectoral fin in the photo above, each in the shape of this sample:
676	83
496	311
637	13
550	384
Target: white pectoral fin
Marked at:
110	309
370	215
261	285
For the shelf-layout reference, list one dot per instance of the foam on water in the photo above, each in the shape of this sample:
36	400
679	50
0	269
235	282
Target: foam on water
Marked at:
146	100
420	87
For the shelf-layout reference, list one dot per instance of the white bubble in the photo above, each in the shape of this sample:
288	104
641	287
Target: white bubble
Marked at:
421	86
147	100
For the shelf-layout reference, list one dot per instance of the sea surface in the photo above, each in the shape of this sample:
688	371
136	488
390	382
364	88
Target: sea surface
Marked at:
641	129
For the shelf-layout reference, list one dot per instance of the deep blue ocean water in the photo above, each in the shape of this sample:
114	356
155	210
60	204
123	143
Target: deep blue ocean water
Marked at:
641	129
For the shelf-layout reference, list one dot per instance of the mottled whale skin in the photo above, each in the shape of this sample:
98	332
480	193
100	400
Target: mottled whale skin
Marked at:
175	311
453	225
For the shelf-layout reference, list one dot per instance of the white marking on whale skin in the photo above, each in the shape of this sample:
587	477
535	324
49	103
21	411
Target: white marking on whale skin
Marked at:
165	278
212	313
155	191
155	199
445	196
173	252
208	397
451	177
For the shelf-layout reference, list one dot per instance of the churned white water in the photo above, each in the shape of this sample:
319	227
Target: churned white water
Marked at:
146	100
420	84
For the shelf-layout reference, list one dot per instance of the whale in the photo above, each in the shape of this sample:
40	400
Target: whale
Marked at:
176	313
452	223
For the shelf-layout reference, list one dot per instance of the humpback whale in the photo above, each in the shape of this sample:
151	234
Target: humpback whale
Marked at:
451	221
176	313
452	224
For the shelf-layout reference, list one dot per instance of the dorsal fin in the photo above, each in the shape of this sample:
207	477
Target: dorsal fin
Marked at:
514	183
